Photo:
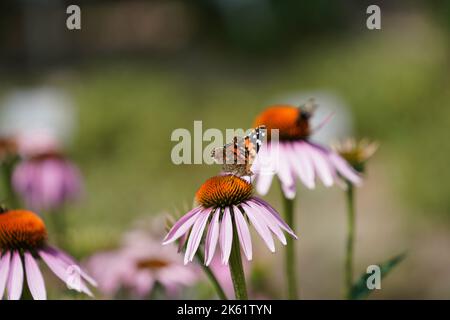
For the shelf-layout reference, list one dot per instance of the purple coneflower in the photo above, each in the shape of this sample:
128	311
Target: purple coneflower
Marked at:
225	205
226	201
296	155
23	242
139	265
47	181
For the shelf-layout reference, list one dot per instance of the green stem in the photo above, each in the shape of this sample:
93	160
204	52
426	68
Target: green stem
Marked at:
350	240
236	269
291	261
211	276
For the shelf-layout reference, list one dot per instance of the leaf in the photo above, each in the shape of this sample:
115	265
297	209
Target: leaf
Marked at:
360	290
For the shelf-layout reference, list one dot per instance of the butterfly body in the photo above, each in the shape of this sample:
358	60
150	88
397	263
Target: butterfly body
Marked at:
238	156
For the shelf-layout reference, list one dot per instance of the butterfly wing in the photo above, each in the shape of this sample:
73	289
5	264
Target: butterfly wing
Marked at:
238	156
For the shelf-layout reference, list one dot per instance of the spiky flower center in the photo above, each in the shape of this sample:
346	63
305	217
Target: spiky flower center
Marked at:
292	122
21	230
222	191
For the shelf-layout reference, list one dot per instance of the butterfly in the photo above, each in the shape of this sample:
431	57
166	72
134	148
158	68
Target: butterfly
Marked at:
238	156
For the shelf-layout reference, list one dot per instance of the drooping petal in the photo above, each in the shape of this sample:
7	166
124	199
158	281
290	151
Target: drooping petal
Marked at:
4	269
71	261
63	270
345	169
260	226
289	191
196	235
321	165
303	165
182	226
226	235
270	221
212	237
275	214
263	182
34	278
15	279
243	233
285	173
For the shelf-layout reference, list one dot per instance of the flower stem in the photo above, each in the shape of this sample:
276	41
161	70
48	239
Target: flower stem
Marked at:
211	276
350	240
236	269
290	263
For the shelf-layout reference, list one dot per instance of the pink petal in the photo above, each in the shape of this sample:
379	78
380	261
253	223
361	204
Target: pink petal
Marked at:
345	169
260	226
284	168
212	237
71	261
263	182
196	235
61	269
289	191
182	226
305	169
34	278
321	164
4	269
15	280
275	214
226	235
270	221
243	233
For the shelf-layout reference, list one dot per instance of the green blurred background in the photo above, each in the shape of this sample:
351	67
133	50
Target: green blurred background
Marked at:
140	69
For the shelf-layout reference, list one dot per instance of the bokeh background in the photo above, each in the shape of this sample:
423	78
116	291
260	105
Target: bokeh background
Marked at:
114	91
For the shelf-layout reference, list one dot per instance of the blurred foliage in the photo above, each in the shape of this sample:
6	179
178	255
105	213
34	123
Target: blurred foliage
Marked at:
360	290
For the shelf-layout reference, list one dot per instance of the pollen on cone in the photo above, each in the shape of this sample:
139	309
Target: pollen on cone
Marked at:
223	191
21	229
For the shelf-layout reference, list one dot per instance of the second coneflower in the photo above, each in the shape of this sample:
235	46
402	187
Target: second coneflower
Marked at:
293	155
226	203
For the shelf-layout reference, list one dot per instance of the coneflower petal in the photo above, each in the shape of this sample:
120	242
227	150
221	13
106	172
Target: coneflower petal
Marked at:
226	235
321	164
15	279
275	214
344	169
212	237
270	221
260	226
71	261
264	181
61	269
4	269
34	278
196	235
182	226
303	165
283	169
243	233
